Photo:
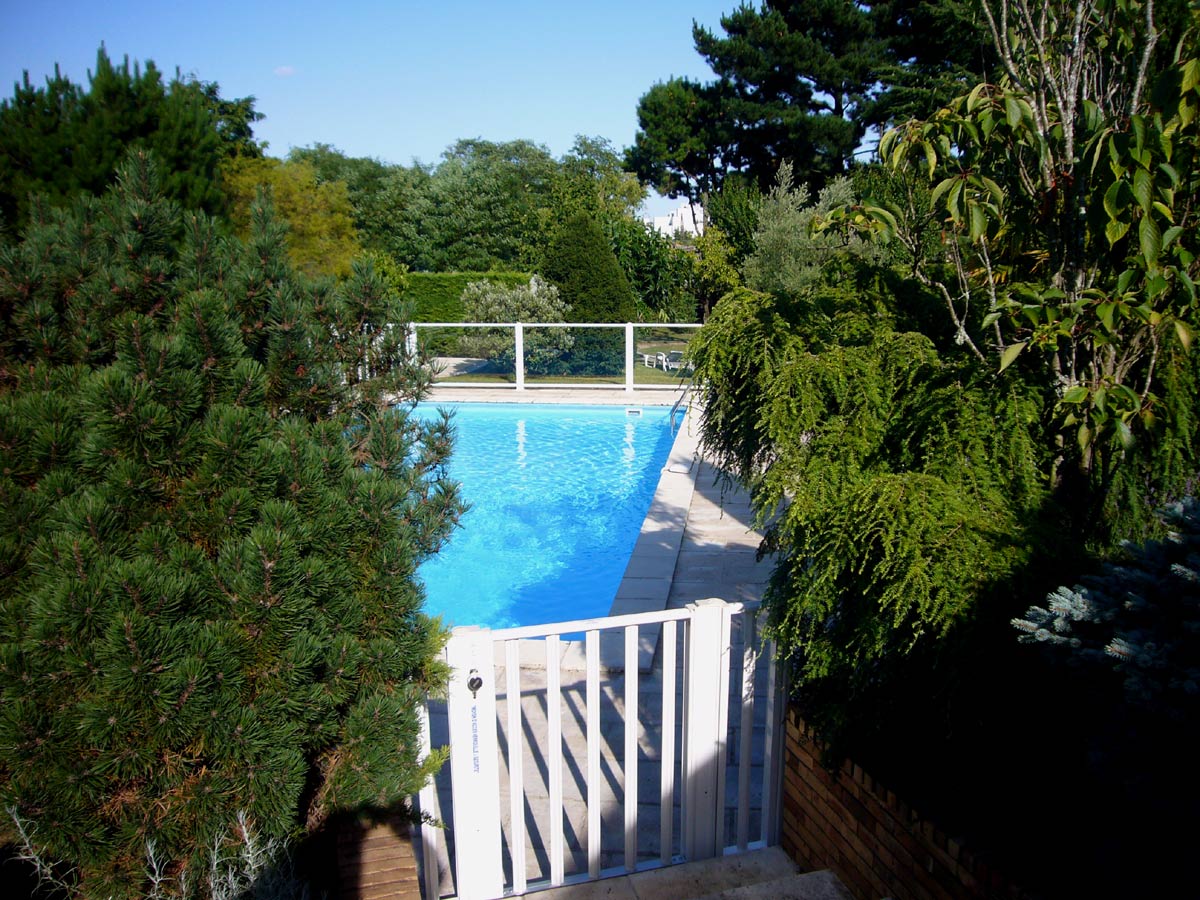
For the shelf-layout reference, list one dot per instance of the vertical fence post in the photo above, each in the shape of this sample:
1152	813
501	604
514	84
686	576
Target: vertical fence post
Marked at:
520	355
516	765
774	748
427	799
631	747
474	767
410	340
554	756
629	357
593	752
746	726
703	762
667	781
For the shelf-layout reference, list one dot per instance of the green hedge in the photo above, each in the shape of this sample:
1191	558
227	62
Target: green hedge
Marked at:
437	296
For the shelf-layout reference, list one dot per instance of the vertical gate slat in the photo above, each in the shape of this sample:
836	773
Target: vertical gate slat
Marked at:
593	752
723	724
427	798
516	764
667	785
554	754
705	718
749	662
772	749
684	791
631	745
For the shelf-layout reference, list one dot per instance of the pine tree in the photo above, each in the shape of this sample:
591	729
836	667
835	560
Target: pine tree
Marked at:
581	264
211	635
63	139
1140	615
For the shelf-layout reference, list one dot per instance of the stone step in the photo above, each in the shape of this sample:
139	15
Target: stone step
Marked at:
768	874
822	885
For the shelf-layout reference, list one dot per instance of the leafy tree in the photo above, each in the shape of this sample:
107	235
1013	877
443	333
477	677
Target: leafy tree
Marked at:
382	197
932	51
394	275
586	272
896	486
234	119
797	74
321	238
594	179
789	256
537	301
658	272
60	140
683	129
210	521
486	206
714	274
1093	272
1065	200
733	210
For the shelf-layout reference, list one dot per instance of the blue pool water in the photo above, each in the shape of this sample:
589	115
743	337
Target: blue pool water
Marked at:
557	495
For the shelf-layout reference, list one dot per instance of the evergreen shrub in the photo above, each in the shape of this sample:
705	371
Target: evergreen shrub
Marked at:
537	301
211	634
582	265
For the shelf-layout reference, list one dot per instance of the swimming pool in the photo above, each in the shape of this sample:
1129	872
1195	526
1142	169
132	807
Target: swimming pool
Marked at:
558	494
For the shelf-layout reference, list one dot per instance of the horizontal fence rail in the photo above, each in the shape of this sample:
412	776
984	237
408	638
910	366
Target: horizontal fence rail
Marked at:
539	799
672	361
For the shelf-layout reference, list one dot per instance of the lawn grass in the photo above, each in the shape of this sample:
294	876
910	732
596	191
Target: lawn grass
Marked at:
644	375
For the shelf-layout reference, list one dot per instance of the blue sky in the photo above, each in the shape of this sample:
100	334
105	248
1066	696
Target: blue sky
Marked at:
399	81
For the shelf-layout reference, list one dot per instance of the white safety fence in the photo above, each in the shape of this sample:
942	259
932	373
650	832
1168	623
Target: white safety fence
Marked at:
673	361
652	765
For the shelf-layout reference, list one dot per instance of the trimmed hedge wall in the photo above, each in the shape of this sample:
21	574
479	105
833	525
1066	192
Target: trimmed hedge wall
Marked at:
437	296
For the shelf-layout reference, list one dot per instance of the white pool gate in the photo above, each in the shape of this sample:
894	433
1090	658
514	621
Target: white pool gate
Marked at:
696	705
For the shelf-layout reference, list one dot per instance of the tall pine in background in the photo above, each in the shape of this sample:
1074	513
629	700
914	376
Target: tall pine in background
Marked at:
211	634
62	138
581	264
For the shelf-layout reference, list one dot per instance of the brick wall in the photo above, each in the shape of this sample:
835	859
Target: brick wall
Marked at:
879	847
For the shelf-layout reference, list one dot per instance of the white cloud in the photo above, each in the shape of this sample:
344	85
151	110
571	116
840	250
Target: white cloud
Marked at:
285	71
